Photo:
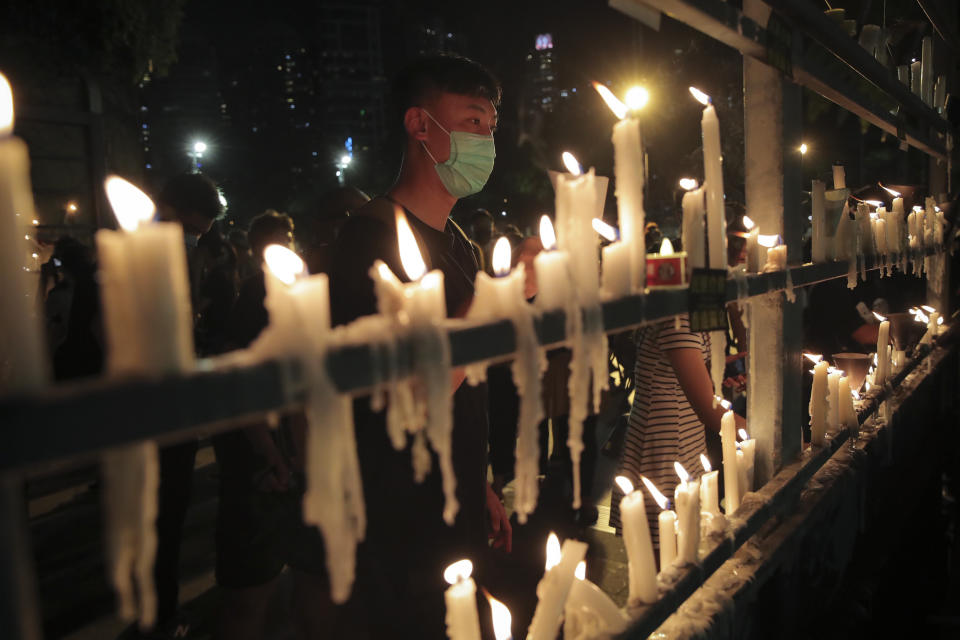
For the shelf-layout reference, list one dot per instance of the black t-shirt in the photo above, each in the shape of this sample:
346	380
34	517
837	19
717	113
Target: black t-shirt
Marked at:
405	526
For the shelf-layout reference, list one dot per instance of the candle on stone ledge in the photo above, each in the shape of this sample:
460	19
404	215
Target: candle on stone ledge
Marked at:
23	351
686	496
148	327
709	487
642	568
463	621
748	447
554	587
666	522
629	165
848	413
728	441
818	401
502	620
590	613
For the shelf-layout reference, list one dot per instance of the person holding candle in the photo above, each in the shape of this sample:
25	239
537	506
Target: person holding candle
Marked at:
673	404
447	107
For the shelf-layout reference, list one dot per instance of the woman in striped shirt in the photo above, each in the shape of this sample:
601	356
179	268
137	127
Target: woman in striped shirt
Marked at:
672	404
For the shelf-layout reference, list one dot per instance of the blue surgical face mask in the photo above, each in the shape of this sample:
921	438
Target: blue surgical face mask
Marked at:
471	160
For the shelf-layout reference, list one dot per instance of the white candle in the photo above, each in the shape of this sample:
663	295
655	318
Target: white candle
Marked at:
883	360
419	309
713	182
833	404
839	177
818	213
818	404
628	166
694	231
579	200
503	297
709	490
463	621
728	440
687	499
848	413
756	253
926	70
502	620
553	271
666	525
748	451
915	71
553	589
615	273
149	331
299	310
23	344
590	612
776	254
642	569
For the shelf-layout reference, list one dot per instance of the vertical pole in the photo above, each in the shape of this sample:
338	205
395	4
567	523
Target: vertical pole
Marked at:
19	616
771	111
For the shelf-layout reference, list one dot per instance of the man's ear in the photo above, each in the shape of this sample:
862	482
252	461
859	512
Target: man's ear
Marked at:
415	123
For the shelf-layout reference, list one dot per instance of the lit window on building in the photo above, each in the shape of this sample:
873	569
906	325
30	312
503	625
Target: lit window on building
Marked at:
544	41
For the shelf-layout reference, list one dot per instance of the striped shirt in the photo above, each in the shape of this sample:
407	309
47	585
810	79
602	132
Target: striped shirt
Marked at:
663	427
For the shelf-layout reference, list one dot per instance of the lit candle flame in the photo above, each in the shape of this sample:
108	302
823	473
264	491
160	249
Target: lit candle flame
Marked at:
283	263
688	184
803	148
130	205
895	194
723	402
637	98
853	392
458	571
917	208
6	107
700	96
927	308
410	256
684	476
502	620
879	317
874	203
652	488
874	215
743	434
501	257
619	109
666	247
749	223
604	229
939	320
570	162
705	461
625	485
581	571
553	551
867	386
547	236
768	241
921	317
875	359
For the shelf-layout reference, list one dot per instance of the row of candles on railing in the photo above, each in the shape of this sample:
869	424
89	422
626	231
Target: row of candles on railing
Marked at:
834	390
840	232
564	594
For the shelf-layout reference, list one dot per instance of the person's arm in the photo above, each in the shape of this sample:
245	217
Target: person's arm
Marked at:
278	477
501	531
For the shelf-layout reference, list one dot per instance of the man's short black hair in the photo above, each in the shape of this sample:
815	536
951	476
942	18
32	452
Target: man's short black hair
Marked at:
192	192
445	73
265	227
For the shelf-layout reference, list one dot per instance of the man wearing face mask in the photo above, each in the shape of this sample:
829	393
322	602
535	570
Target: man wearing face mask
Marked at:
447	107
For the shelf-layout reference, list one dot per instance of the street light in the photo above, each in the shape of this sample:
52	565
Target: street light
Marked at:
199	147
